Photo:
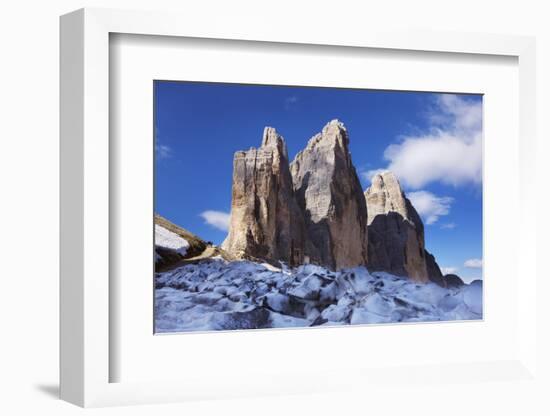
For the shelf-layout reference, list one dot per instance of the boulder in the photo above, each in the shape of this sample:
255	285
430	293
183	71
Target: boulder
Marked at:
254	318
329	195
266	222
472	296
309	288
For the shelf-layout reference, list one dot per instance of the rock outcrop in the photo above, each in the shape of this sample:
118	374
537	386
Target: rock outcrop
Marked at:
453	281
313	210
330	197
396	232
175	246
434	272
167	255
266	222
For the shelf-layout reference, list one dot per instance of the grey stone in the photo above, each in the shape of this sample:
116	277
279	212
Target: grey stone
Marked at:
266	222
329	194
396	232
434	272
453	281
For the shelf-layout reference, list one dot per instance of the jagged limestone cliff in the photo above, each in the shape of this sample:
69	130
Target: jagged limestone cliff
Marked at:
313	210
266	222
396	232
329	194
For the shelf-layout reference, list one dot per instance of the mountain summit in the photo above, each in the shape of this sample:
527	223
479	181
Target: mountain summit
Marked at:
396	232
313	210
266	222
329	194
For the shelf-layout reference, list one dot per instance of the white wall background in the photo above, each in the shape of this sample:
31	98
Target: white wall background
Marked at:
29	208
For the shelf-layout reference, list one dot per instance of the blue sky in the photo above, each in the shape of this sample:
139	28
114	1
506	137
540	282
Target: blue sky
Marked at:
431	141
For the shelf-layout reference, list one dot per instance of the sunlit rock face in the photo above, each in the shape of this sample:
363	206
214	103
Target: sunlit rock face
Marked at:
396	232
313	210
330	196
266	222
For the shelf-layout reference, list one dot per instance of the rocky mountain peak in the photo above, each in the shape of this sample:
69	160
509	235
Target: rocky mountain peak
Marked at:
396	232
334	125
329	194
314	210
266	222
333	135
271	138
385	195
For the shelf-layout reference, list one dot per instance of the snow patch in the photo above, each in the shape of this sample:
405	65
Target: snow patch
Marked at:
167	239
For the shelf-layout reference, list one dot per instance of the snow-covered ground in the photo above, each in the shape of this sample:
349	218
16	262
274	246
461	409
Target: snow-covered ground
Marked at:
167	239
220	295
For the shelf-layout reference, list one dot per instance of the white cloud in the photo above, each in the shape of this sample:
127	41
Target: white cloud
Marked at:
461	114
430	206
449	270
290	101
450	152
162	151
474	263
217	219
448	226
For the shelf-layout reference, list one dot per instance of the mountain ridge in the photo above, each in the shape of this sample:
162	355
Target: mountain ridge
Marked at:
337	225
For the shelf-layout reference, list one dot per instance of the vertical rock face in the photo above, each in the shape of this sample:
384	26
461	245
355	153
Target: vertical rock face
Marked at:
329	194
396	232
266	222
314	210
434	272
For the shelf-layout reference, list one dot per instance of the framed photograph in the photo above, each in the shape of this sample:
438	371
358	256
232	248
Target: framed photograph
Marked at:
316	231
269	213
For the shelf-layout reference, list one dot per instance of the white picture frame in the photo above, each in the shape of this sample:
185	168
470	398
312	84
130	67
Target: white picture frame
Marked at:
86	305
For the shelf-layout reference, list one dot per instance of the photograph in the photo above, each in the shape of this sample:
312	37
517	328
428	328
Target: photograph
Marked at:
299	206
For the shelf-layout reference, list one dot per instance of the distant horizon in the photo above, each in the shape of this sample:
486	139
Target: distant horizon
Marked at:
431	141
